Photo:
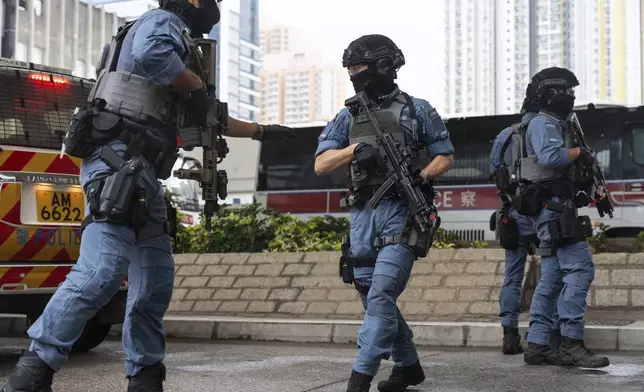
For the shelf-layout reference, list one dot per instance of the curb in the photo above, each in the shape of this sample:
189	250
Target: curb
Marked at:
426	333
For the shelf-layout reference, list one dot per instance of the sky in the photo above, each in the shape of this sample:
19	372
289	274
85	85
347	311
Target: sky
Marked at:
327	27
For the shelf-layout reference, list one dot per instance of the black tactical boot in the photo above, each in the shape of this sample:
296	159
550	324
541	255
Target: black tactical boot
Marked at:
511	341
540	354
359	382
555	340
31	374
402	377
574	353
149	379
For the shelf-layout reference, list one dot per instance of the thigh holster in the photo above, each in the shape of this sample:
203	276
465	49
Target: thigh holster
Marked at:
120	199
419	243
507	229
567	229
529	243
348	262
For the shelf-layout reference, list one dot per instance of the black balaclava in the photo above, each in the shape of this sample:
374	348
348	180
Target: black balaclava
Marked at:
200	19
549	86
383	59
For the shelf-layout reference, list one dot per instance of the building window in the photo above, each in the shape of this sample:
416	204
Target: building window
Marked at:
79	68
37	56
22	6
92	72
248	98
251	84
21	52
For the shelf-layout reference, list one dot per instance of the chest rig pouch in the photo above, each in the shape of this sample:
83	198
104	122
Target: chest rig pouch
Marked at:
127	107
82	138
131	109
362	183
536	182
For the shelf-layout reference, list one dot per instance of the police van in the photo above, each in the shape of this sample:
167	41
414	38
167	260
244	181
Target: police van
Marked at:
41	201
286	180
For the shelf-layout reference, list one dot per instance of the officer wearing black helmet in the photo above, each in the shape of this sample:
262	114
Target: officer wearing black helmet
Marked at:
380	250
549	194
128	130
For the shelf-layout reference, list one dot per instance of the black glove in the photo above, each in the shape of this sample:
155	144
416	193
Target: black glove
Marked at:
275	133
366	156
199	104
586	157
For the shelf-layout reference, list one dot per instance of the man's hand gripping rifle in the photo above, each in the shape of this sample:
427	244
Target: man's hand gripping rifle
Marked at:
425	216
600	193
203	62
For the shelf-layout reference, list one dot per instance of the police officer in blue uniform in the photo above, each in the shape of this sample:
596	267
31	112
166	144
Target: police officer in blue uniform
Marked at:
378	246
515	232
550	194
127	139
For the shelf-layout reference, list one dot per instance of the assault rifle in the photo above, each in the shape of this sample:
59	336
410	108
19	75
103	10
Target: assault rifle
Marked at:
602	201
400	173
202	60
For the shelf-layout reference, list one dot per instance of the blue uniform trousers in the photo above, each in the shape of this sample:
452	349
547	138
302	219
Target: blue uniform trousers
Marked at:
564	284
515	260
107	253
384	333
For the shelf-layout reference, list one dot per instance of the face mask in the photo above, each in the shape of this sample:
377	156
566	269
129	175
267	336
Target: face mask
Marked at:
201	19
361	80
206	16
374	85
561	104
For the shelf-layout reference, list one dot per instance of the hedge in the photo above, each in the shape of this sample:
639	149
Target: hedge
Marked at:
253	229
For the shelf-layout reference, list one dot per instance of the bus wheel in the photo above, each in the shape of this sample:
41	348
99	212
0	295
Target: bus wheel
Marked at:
93	335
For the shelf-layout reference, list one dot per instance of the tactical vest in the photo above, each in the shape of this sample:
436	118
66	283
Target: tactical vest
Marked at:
361	130
532	172
130	96
130	108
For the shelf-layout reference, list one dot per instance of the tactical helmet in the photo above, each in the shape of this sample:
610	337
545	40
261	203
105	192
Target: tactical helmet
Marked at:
376	50
551	78
202	18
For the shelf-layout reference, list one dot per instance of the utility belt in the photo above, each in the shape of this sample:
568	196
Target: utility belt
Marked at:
91	129
120	198
528	201
360	196
419	244
567	229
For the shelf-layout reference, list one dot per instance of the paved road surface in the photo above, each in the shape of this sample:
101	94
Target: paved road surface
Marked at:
275	367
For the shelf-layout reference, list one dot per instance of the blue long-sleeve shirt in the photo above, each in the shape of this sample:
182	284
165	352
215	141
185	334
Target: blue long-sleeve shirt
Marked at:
431	130
545	139
154	47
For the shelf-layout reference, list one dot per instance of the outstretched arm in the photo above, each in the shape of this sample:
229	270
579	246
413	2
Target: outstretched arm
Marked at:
255	131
